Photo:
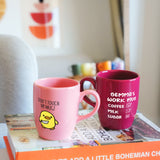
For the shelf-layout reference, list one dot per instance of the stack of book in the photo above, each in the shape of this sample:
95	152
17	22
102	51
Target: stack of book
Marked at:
89	141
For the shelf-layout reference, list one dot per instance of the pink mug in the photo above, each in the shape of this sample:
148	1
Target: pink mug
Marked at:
56	103
119	93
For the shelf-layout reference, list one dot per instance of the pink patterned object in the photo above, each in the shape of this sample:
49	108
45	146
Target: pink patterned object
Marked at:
56	104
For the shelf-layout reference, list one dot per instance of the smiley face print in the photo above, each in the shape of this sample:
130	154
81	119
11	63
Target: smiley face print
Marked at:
47	120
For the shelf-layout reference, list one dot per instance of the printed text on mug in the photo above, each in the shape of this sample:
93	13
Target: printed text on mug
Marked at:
48	104
117	101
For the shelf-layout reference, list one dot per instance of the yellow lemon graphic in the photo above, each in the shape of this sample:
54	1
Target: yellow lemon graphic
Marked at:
47	120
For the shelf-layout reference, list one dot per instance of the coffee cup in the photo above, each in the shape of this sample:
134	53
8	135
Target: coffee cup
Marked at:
56	104
119	93
88	69
102	66
76	69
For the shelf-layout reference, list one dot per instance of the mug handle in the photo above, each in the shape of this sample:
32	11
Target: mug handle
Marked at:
97	104
93	81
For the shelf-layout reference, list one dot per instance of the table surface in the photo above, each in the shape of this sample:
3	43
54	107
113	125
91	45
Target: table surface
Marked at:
3	153
3	132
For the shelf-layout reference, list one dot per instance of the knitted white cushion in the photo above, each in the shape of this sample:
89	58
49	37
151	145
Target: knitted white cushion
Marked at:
18	71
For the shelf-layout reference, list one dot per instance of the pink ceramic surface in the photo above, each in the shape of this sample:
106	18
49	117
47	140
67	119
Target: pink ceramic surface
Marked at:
56	104
119	93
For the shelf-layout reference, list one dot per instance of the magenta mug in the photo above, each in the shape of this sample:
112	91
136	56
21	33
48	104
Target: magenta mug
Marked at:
56	103
119	93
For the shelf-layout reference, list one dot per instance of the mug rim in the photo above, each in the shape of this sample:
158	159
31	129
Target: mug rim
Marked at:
39	83
136	75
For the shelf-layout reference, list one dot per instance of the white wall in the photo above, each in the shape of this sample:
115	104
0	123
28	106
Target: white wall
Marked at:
86	33
10	23
145	53
85	27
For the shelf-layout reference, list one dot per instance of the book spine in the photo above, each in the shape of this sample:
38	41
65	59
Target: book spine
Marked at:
139	150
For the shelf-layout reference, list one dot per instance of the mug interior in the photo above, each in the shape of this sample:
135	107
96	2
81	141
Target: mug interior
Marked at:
118	74
56	82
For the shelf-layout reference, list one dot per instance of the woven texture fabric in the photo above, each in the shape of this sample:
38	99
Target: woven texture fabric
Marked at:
18	71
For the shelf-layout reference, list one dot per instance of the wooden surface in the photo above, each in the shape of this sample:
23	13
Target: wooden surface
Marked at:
3	154
126	33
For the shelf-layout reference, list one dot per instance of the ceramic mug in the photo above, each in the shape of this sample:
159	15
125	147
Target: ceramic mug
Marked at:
88	69
76	69
102	66
56	103
119	93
